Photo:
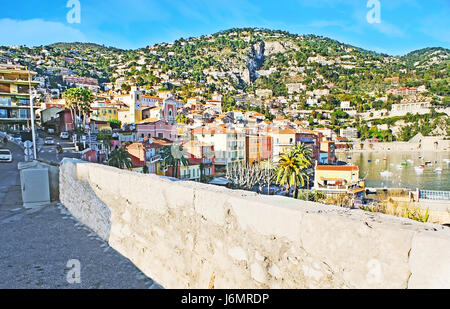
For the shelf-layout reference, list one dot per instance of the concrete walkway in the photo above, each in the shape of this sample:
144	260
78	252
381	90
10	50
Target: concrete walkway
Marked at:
36	245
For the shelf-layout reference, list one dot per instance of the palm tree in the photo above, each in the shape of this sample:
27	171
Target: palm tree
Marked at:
293	166
120	158
173	156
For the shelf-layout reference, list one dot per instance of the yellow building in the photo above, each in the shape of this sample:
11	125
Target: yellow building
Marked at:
335	177
105	113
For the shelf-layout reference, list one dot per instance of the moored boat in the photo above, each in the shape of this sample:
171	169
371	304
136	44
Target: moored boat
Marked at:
418	169
386	173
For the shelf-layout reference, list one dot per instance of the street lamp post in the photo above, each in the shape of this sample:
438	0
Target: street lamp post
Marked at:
32	116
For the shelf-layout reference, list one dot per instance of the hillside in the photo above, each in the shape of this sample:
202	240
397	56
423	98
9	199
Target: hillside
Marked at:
246	60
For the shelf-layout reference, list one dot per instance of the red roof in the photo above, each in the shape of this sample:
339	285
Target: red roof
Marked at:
345	168
136	162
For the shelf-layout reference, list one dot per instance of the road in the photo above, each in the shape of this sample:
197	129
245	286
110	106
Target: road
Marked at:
10	194
36	245
49	153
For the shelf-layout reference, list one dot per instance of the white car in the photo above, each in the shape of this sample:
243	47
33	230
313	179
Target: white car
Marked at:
5	156
49	141
64	135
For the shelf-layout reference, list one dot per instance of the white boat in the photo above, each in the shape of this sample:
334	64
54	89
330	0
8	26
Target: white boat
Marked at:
410	161
418	169
438	170
399	167
377	161
386	173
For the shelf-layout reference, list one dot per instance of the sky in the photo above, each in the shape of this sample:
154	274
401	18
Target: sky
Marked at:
400	27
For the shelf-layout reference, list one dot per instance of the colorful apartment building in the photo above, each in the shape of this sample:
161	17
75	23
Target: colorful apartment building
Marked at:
201	154
327	152
311	139
149	152
104	113
15	97
159	129
229	145
258	147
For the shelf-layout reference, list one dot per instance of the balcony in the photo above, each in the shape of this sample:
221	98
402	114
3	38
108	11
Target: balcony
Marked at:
206	161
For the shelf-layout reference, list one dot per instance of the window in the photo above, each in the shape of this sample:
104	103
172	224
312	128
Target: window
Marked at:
3	113
5	101
24	114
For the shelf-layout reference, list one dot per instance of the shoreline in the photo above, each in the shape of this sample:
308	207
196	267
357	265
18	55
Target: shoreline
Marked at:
388	150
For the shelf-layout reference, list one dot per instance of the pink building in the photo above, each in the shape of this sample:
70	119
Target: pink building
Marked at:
159	129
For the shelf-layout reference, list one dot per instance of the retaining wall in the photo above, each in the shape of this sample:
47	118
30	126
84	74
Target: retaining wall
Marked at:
190	235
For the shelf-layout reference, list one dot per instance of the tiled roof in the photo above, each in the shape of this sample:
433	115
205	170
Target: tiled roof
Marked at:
346	168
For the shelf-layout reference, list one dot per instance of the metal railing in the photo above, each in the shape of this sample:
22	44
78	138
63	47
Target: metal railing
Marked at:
434	195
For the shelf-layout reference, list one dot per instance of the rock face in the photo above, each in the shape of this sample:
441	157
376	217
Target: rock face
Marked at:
182	234
254	62
273	48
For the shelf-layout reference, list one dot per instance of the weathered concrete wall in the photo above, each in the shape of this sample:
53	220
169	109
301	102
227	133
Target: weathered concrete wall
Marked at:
187	235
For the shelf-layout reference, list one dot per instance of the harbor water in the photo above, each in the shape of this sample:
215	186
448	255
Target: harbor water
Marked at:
402	169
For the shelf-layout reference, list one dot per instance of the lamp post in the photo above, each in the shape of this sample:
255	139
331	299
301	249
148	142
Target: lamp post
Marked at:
32	116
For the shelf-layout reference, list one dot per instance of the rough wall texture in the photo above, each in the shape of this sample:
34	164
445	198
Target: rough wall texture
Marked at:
187	235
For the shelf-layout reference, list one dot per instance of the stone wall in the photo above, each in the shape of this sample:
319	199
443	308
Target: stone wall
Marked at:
189	235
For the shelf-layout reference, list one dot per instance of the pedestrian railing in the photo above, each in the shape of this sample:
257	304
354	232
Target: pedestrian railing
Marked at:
434	195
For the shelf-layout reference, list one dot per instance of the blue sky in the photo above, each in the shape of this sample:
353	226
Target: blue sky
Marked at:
406	25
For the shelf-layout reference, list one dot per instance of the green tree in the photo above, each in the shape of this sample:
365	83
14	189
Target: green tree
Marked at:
120	158
115	124
174	156
293	166
79	101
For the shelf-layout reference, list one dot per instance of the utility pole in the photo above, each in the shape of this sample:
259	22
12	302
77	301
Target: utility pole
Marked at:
32	116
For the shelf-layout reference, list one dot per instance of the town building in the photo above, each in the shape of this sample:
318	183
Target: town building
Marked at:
201	154
158	129
311	139
350	133
338	179
258	146
15	83
81	82
229	145
283	140
327	152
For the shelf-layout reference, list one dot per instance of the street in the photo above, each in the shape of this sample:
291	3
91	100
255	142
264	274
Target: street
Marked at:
49	153
10	195
37	244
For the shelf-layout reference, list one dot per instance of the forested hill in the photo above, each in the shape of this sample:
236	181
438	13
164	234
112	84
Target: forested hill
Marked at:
245	60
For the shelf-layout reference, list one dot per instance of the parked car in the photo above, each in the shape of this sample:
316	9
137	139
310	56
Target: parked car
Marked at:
6	156
64	135
17	138
49	141
51	131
